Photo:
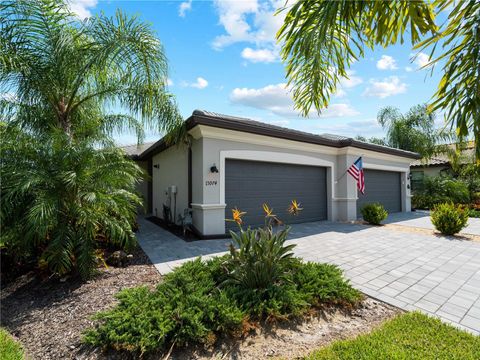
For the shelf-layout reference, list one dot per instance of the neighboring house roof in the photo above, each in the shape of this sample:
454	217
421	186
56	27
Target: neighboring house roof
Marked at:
201	117
135	150
443	160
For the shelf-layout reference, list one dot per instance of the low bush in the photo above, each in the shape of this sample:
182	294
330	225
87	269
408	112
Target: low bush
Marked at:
186	307
196	304
374	213
449	219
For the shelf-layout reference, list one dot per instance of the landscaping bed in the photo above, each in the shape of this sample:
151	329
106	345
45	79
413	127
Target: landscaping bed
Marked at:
48	317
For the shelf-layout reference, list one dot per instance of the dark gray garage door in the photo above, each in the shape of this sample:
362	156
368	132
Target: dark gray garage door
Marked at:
383	187
249	184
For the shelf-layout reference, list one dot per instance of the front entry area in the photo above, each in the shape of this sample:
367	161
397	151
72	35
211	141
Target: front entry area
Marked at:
250	184
383	187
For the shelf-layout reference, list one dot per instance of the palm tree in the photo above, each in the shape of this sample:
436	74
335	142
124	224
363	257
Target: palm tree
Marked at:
322	38
65	74
413	131
68	86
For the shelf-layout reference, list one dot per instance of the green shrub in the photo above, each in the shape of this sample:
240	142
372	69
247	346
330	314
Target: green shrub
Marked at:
474	213
441	189
374	213
449	219
186	307
324	284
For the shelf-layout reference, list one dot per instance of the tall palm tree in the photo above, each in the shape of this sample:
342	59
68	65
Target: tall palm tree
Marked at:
413	131
322	38
88	79
67	86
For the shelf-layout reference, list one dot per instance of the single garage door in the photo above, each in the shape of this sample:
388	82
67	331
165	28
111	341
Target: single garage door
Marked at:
249	184
383	187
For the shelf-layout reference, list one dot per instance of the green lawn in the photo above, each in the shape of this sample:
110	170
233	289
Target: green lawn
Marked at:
410	336
9	348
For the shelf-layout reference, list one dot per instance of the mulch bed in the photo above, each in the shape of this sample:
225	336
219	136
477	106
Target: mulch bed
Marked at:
48	317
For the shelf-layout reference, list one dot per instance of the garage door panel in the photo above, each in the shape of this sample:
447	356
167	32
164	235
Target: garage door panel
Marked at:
249	184
383	187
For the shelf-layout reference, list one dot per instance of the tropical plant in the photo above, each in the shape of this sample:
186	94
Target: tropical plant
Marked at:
321	39
61	201
68	86
414	131
374	213
440	189
62	73
449	218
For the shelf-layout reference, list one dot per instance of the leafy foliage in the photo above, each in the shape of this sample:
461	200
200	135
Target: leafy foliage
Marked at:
64	187
374	213
449	219
64	73
60	201
440	189
414	131
195	304
187	307
321	39
458	92
322	284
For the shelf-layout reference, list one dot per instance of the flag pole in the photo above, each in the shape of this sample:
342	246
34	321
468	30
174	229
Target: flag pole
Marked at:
348	167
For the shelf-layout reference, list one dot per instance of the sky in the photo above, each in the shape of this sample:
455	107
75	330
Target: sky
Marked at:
223	57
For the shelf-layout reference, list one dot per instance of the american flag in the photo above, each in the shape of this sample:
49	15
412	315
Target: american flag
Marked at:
356	170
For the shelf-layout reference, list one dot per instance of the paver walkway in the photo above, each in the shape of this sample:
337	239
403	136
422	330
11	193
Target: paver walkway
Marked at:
421	219
433	274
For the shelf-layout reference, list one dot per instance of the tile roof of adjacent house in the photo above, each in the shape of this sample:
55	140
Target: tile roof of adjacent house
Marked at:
442	159
207	118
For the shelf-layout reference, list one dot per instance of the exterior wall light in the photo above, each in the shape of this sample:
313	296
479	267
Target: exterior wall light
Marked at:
214	169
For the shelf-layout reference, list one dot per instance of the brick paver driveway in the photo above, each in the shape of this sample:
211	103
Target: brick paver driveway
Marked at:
433	274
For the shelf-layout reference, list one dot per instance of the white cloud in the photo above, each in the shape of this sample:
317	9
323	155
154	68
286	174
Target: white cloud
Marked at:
259	55
277	99
389	86
347	83
279	122
169	82
420	59
184	7
248	21
367	127
201	83
82	8
408	69
386	63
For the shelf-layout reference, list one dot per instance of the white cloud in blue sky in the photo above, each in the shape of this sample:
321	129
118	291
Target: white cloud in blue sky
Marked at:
387	63
227	49
82	8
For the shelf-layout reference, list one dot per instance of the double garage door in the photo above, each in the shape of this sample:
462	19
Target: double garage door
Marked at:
250	184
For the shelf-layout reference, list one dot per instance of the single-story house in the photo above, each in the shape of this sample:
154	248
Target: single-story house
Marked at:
234	162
